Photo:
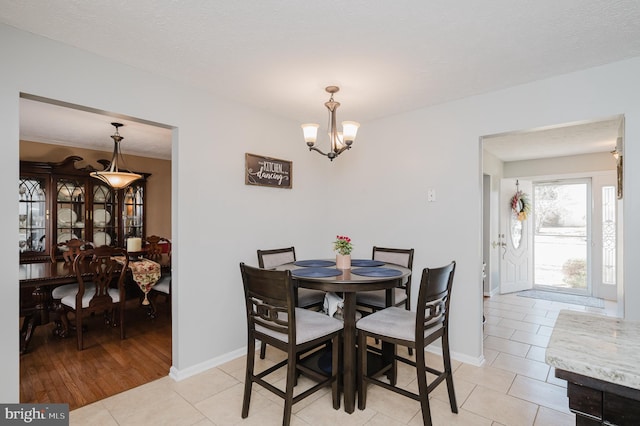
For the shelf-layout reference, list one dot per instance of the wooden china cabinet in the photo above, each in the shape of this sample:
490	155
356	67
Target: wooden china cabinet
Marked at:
59	202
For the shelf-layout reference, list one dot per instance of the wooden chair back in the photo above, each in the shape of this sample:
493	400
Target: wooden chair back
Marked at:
270	301
433	299
155	246
70	249
402	257
269	259
104	270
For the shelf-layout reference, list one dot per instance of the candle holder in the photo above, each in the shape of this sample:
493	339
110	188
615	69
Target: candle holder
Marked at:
136	255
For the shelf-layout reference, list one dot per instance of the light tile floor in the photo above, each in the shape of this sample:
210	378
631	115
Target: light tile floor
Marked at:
513	387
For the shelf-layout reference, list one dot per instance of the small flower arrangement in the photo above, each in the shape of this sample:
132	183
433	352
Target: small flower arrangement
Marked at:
342	245
520	205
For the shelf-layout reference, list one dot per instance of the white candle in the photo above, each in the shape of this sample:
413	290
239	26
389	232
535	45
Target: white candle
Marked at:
134	244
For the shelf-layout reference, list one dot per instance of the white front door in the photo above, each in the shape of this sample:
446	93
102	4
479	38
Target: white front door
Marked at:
516	239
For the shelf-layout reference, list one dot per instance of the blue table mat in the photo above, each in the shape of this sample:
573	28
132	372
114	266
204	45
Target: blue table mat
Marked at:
376	272
366	262
314	263
316	272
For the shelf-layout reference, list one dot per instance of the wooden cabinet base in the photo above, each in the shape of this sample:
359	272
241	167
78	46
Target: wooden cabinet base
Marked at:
596	402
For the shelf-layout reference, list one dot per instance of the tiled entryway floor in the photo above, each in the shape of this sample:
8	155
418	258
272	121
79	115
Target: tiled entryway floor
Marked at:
513	387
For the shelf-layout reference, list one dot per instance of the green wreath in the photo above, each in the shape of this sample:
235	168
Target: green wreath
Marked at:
520	205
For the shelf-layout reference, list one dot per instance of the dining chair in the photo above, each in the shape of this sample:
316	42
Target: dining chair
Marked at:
372	301
155	247
95	295
415	330
70	250
304	297
273	318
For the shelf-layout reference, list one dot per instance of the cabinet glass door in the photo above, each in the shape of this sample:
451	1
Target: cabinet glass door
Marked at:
32	215
103	216
133	213
70	215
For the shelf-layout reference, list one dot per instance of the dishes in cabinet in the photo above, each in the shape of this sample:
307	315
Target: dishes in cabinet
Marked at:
101	239
66	217
101	217
65	236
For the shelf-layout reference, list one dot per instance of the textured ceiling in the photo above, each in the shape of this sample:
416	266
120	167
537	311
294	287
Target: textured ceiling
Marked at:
387	57
560	141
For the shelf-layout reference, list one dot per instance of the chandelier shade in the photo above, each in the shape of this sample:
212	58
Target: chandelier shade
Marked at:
338	141
112	175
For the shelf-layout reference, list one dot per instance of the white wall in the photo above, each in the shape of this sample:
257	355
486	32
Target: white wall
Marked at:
376	193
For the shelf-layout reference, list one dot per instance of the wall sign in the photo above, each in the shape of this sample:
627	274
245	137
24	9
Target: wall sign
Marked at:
267	171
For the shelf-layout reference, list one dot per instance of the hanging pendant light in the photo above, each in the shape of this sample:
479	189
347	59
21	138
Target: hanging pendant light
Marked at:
338	141
113	176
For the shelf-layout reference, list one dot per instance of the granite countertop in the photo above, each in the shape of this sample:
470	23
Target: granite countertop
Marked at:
596	346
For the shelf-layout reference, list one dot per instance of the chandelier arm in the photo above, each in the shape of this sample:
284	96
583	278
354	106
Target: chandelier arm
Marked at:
313	148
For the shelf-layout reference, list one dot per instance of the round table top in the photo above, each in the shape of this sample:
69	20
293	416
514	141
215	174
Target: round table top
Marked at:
347	281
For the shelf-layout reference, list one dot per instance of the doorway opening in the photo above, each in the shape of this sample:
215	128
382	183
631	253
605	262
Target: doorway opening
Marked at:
580	152
562	232
51	368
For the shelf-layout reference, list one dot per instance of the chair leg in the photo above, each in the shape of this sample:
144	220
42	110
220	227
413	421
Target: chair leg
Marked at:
448	371
292	370
263	350
248	378
362	370
79	330
121	309
422	387
335	368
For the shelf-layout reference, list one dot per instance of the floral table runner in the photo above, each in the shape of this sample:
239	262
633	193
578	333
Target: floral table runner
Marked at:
146	274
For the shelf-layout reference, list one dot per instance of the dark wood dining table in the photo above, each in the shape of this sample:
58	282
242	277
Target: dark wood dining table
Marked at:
37	280
349	283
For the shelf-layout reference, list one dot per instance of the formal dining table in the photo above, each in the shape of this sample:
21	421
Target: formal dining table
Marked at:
40	278
348	282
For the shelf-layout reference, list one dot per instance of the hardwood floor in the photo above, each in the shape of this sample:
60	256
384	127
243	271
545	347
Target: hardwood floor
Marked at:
53	370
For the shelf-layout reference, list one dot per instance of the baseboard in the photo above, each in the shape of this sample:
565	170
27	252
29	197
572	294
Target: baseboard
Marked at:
476	362
185	373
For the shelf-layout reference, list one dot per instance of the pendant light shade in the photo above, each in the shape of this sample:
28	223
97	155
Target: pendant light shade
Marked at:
112	176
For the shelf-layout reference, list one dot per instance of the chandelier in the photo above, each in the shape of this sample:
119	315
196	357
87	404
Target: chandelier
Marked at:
339	141
112	176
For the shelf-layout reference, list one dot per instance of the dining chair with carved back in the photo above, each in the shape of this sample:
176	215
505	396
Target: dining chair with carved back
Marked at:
305	297
415	330
70	250
273	318
96	294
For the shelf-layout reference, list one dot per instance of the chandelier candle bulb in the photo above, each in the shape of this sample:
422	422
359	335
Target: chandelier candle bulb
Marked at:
349	130
134	244
310	133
